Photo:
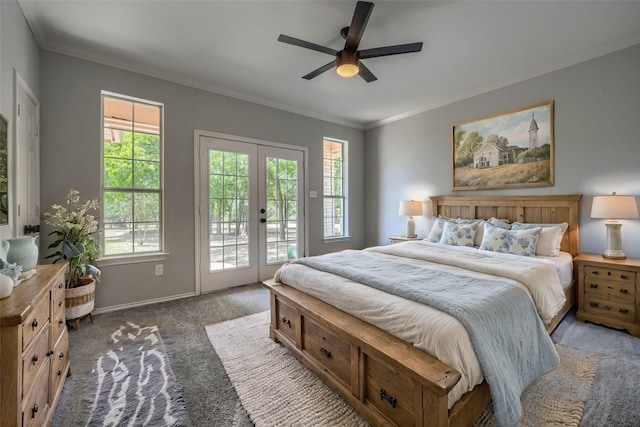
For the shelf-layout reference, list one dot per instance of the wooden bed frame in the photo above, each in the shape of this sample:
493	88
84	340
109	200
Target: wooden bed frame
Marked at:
387	380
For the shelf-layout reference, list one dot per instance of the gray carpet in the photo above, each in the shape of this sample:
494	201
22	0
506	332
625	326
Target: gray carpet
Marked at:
211	400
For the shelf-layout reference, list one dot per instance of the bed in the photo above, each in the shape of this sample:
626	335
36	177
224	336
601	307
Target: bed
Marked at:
382	370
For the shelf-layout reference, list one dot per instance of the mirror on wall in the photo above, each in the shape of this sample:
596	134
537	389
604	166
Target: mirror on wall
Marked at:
4	177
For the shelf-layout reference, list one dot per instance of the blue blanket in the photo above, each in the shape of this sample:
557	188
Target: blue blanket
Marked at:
510	341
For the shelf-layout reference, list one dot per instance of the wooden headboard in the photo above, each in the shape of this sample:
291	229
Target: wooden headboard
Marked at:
539	209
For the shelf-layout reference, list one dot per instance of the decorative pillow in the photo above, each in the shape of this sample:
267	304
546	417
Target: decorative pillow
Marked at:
517	242
436	230
550	238
477	241
457	234
502	223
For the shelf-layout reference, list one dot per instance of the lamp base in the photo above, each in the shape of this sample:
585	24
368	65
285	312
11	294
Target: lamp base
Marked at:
411	227
614	241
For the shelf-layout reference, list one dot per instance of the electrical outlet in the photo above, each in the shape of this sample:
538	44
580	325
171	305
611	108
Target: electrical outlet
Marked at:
159	269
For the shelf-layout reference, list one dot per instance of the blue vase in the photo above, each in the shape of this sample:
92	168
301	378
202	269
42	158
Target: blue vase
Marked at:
23	251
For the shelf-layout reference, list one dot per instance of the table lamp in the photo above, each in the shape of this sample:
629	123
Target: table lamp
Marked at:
410	208
613	208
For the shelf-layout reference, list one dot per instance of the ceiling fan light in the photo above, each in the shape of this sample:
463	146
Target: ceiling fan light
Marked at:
347	70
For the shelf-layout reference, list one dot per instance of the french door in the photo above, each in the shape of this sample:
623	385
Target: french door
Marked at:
251	210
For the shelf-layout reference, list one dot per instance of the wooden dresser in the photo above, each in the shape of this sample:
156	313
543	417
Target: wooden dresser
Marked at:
34	345
609	292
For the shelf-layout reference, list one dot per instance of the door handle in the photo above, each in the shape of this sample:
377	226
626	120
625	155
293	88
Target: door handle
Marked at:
263	220
262	210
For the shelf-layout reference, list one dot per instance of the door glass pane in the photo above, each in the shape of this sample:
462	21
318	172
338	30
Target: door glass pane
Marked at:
282	206
228	210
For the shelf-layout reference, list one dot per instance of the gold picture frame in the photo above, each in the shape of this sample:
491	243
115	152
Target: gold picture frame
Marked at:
508	150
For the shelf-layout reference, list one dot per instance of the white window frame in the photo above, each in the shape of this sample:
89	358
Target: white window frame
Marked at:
345	192
132	258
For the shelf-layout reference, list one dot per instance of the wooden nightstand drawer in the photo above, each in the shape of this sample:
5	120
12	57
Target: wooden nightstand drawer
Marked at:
602	273
611	289
610	307
330	351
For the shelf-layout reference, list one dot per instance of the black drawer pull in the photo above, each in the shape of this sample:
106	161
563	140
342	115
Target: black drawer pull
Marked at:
61	355
593	285
60	322
624	310
34	359
59	372
624	291
49	353
286	321
60	285
392	400
326	353
59	303
593	304
623	276
34	410
34	324
595	272
608	273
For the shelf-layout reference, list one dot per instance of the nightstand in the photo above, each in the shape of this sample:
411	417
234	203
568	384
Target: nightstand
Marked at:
608	292
403	239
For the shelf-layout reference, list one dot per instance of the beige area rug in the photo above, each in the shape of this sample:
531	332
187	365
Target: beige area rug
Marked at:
277	390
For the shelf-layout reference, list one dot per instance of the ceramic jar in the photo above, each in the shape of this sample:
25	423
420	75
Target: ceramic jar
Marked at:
23	251
6	286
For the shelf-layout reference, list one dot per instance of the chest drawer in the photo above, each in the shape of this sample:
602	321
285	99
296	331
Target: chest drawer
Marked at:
609	274
390	392
287	319
610	307
34	358
36	403
59	361
330	351
35	321
624	291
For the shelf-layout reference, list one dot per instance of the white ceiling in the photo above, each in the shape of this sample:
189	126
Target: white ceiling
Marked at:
231	47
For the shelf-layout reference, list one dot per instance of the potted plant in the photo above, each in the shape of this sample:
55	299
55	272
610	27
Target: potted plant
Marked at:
75	229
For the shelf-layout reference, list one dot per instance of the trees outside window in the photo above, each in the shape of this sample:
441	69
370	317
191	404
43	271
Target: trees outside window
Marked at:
334	188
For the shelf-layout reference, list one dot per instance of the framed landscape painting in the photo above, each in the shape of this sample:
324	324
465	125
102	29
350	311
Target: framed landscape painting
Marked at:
507	150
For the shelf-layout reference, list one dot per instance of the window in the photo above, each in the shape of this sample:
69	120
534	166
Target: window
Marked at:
132	175
335	188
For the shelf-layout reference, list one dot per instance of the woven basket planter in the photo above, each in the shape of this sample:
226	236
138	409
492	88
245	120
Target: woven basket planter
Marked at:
79	301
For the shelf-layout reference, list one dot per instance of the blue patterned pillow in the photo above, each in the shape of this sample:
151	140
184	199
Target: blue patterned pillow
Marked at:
550	238
436	230
457	234
517	242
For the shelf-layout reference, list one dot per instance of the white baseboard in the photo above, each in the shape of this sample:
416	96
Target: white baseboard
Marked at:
141	303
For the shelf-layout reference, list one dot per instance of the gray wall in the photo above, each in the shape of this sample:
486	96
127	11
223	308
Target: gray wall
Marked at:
597	146
18	51
70	158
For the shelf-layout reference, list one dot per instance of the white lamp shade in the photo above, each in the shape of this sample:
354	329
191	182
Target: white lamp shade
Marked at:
614	207
410	208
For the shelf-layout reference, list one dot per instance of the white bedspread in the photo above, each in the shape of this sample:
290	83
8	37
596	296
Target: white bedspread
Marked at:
430	330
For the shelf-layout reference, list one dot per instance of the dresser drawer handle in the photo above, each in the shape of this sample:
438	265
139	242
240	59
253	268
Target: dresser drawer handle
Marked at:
60	322
392	400
593	285
34	324
59	372
624	310
326	353
50	352
624	291
34	410
286	321
593	304
623	276
59	303
60	285
34	359
61	355
608	273
595	272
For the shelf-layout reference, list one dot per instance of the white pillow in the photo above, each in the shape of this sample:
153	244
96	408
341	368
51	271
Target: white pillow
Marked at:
436	230
517	242
456	234
477	241
502	223
550	238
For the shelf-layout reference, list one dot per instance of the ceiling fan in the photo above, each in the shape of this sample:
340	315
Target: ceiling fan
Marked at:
347	61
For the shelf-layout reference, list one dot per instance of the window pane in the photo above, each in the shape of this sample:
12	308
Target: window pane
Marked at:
146	175
118	173
146	147
118	207
147	207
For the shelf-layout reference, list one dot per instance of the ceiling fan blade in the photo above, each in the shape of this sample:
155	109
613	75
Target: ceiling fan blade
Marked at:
308	45
320	70
358	24
366	73
390	50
